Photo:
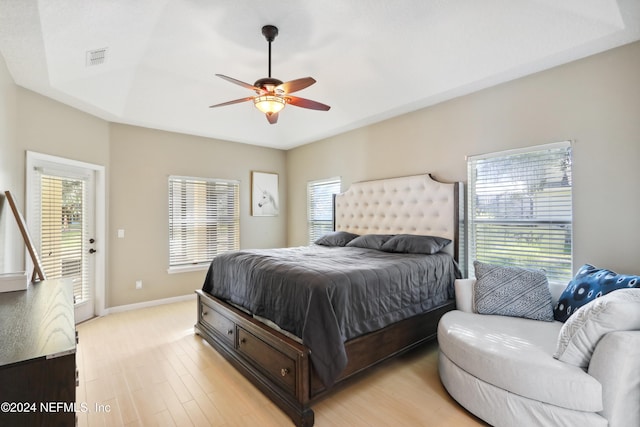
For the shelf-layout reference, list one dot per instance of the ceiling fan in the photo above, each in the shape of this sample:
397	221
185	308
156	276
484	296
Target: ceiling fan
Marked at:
273	94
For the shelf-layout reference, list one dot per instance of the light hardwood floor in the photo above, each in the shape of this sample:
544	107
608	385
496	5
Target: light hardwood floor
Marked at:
147	367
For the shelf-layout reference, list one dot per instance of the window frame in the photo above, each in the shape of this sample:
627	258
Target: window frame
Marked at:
320	226
206	216
543	184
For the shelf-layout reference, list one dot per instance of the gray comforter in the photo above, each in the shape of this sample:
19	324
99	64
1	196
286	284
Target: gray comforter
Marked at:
328	295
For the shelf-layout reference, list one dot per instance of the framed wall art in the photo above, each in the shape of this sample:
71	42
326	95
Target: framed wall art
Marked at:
264	194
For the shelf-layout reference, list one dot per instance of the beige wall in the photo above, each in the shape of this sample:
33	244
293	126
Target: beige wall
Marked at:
36	123
11	259
141	162
595	102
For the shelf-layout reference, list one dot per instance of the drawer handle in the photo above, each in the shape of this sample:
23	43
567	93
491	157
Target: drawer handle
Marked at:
284	371
243	341
204	313
230	332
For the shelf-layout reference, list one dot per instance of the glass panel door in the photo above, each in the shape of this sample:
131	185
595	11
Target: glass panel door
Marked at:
62	204
65	242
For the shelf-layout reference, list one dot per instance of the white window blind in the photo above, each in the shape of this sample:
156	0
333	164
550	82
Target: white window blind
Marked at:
520	211
320	206
62	229
204	220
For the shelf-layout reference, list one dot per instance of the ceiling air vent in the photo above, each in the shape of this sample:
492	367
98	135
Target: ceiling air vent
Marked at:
96	57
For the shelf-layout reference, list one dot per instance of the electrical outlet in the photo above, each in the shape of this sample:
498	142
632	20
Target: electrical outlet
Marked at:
138	284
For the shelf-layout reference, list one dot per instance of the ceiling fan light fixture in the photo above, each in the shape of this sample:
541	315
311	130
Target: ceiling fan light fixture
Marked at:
273	94
269	104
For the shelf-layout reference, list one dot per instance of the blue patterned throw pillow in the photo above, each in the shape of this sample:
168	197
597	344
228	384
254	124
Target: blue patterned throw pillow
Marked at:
588	284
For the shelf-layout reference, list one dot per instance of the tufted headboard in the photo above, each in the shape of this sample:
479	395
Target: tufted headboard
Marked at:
415	204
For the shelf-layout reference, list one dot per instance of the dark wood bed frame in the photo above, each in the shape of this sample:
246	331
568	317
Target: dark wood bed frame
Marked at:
281	367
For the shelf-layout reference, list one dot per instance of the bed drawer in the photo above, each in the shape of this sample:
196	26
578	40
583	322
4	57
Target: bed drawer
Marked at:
273	362
225	327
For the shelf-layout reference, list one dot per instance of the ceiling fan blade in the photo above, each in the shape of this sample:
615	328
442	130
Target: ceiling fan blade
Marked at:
237	82
272	118
307	103
296	85
235	101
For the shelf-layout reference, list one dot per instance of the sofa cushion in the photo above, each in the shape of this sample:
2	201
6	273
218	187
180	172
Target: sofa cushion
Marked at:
515	354
616	311
588	284
512	291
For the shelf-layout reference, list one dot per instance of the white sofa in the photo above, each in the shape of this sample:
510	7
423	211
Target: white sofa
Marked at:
502	370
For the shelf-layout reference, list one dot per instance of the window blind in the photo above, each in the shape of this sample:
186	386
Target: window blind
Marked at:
61	204
320	206
204	220
520	209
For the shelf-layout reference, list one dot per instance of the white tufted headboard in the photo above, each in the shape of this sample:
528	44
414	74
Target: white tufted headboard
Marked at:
415	204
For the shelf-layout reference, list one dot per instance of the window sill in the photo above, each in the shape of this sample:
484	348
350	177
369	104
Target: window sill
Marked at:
187	268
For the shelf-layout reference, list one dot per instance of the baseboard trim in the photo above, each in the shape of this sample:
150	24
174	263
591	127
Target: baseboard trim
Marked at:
147	304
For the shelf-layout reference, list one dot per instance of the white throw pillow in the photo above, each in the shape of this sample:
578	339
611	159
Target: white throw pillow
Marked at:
615	311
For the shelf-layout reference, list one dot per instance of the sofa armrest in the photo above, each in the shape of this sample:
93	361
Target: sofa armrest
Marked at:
615	363
556	290
464	294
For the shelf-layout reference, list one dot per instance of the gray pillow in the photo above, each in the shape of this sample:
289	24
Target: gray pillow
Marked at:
414	244
512	291
336	238
370	241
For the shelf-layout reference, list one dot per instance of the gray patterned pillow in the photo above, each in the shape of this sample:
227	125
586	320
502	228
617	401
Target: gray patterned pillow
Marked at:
512	291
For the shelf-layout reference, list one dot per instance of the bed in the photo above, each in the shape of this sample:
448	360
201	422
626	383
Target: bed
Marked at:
322	314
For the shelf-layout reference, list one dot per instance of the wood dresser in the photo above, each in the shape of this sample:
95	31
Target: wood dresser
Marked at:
37	356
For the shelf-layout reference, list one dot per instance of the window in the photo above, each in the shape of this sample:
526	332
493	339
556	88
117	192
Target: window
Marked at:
519	209
320	206
204	220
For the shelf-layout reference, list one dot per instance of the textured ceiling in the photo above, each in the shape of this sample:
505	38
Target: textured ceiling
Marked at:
372	59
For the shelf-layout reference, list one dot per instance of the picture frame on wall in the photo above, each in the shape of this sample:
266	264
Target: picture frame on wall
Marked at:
264	194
